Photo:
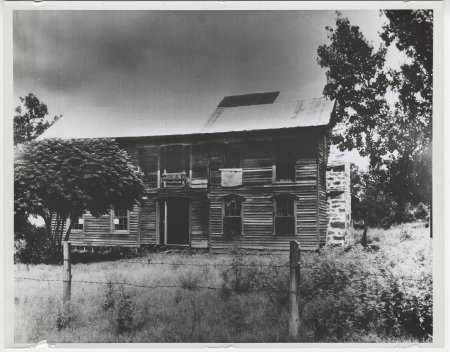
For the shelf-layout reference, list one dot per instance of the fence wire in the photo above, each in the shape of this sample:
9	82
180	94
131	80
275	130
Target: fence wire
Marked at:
200	264
303	265
187	287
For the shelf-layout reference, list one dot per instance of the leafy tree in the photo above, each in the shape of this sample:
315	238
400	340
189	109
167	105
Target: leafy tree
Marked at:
412	33
411	128
356	80
30	119
396	139
59	180
373	207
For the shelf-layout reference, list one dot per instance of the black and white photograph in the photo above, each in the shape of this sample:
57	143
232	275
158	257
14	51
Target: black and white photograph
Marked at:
224	176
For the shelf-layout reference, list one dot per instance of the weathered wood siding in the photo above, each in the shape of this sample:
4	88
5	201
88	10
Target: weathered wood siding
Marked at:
98	232
148	222
323	151
258	188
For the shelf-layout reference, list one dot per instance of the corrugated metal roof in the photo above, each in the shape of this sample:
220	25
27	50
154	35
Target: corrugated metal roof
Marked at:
113	122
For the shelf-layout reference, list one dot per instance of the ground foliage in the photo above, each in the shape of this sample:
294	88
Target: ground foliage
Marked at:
382	293
378	209
32	246
347	294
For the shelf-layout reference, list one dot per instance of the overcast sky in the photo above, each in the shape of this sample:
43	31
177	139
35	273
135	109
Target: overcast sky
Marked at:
177	65
167	61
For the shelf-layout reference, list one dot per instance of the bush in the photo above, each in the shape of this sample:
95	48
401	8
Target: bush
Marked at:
349	294
384	213
33	247
65	316
121	309
421	211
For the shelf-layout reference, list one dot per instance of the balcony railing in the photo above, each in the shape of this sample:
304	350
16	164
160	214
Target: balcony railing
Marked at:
174	179
231	177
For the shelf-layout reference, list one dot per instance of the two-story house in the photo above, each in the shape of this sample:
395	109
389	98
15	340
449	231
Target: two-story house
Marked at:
254	174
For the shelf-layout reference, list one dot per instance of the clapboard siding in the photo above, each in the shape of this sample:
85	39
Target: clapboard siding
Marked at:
148	222
323	207
99	232
258	188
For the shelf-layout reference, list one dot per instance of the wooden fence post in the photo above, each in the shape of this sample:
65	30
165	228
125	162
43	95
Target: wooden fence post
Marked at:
67	276
294	278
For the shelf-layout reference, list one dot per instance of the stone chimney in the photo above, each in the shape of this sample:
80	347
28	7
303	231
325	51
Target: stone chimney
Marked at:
340	229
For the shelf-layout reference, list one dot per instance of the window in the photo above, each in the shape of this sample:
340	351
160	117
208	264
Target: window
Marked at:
232	215
78	224
175	159
284	218
232	158
285	165
120	219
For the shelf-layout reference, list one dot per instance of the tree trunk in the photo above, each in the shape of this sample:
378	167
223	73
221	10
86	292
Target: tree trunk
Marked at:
66	237
48	228
430	220
61	232
366	228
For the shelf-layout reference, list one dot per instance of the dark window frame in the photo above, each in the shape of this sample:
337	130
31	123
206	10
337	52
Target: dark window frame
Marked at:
113	216
74	226
284	154
184	163
232	158
285	215
236	217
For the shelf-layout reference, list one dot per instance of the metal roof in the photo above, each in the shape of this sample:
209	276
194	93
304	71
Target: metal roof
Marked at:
272	112
280	114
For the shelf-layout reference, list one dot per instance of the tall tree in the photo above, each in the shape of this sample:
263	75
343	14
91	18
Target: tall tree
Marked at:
411	128
395	139
31	119
358	83
59	180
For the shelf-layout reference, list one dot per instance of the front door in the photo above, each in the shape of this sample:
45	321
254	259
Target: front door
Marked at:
174	221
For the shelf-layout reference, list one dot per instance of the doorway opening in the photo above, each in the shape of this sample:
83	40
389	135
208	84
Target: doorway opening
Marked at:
174	221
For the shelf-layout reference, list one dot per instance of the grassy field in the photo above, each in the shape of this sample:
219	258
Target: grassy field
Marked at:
113	313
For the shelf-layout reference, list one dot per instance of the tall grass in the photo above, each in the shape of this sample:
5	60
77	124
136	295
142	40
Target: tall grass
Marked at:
255	312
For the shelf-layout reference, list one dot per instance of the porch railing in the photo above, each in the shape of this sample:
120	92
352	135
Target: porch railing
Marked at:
174	179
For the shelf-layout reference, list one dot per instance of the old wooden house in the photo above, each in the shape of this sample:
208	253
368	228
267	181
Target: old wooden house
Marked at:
254	175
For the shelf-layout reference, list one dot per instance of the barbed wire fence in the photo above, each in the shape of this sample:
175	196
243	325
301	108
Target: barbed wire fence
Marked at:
293	291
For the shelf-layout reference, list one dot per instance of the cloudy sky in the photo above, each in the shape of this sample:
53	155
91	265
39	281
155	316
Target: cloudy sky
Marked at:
177	65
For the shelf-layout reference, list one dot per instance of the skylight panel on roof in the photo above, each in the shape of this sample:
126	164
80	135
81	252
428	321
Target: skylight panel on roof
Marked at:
248	99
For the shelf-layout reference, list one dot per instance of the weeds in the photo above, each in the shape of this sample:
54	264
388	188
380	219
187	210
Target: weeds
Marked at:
354	295
65	316
121	309
189	279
